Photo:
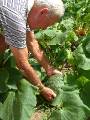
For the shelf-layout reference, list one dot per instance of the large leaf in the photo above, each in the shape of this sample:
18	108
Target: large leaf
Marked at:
82	61
14	76
1	110
86	46
67	103
25	101
68	23
4	75
59	38
19	105
56	82
85	91
49	34
7	107
72	107
85	73
52	37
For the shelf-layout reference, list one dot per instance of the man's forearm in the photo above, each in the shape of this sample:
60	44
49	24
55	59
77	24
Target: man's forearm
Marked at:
21	56
34	47
30	73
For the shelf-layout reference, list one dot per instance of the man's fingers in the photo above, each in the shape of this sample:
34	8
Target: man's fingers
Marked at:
54	95
57	72
48	93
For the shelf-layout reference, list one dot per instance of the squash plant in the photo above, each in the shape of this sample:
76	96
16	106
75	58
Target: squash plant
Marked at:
67	46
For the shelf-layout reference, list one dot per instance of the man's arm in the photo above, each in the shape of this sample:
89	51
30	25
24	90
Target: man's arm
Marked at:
34	47
21	56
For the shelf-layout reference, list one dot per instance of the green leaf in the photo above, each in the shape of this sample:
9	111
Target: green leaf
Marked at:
71	36
88	47
55	82
87	18
67	103
82	60
68	23
70	79
52	37
7	107
25	101
85	73
14	76
20	104
39	35
71	107
4	76
11	62
55	115
58	39
82	80
50	33
70	57
85	94
1	110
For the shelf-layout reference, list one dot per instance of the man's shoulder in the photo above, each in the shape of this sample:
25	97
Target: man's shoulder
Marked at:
14	5
30	4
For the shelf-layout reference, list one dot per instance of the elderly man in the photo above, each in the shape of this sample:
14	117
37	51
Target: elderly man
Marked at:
19	18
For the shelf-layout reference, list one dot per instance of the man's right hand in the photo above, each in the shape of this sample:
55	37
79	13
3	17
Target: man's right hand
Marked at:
48	94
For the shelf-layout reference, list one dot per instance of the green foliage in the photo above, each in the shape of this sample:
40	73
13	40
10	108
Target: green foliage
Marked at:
81	59
69	102
25	101
19	104
17	96
3	80
67	46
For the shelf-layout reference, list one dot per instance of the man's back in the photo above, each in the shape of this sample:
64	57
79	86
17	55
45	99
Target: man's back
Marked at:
13	20
16	6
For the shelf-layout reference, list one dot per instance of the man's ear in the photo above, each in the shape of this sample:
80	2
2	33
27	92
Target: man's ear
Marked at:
44	11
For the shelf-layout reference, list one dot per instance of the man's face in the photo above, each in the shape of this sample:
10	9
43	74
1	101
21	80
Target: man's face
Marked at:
46	21
40	19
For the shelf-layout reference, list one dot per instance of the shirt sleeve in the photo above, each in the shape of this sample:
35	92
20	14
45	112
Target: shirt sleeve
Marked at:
14	26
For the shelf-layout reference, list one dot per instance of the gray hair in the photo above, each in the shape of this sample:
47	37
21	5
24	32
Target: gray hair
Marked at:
56	7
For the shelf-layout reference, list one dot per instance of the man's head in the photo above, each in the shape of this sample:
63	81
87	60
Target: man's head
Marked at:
45	13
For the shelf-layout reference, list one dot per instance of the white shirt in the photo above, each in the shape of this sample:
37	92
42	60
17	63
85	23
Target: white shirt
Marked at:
13	17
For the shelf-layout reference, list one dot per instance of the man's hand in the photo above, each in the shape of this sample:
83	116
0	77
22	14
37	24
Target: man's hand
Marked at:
48	94
53	71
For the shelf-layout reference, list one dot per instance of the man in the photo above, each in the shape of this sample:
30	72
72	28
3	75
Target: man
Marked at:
15	15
